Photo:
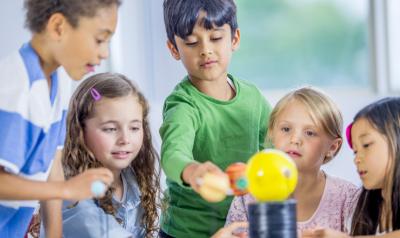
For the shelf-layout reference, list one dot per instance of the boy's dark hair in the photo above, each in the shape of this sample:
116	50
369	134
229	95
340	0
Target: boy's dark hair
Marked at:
38	12
180	16
384	116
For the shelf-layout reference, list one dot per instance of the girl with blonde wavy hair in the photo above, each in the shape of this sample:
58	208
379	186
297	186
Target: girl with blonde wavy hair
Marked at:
107	126
307	125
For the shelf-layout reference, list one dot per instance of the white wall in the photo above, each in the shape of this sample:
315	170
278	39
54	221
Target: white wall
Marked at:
13	33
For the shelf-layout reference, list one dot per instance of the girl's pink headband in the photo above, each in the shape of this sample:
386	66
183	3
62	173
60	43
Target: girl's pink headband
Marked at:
348	135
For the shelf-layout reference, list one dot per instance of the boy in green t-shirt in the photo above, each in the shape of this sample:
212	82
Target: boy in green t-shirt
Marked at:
211	119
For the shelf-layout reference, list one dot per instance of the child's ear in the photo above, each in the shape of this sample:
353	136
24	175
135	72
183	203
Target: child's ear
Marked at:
174	51
56	25
236	40
335	146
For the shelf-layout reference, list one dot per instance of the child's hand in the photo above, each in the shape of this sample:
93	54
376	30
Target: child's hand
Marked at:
79	187
194	172
229	231
323	233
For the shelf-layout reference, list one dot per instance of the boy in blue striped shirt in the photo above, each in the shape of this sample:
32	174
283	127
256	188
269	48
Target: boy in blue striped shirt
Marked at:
34	97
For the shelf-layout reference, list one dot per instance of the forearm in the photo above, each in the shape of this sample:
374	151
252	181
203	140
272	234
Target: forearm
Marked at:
17	188
52	217
51	210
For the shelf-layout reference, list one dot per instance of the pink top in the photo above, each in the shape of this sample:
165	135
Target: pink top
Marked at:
334	210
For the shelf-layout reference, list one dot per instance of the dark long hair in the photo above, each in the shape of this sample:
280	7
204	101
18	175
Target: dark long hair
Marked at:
384	116
78	158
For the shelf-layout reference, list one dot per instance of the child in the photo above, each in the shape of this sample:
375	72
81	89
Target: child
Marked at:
33	101
107	126
307	125
210	120
374	137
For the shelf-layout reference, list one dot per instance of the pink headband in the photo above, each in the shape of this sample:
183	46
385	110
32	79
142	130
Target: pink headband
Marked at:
348	135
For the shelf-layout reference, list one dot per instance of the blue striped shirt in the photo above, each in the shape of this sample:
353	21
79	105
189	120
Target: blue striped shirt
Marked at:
32	119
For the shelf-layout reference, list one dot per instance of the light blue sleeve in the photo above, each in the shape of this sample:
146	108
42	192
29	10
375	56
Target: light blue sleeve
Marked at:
87	220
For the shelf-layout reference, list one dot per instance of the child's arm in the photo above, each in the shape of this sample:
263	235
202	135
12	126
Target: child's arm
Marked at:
76	188
178	133
51	210
264	120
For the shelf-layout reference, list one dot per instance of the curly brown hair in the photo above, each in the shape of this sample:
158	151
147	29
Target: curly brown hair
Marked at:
38	12
77	157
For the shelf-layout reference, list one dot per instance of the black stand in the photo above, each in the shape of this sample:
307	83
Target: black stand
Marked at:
273	219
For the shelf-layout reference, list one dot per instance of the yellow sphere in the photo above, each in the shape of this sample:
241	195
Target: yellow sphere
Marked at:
271	175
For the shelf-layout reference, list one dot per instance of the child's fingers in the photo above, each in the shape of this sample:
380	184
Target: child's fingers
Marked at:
102	174
212	168
204	169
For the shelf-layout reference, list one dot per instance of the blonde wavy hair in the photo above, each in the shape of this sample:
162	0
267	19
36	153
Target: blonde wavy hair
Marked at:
77	157
322	110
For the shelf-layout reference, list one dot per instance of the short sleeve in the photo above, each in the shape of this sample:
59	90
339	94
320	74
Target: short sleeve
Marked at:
63	130
238	210
13	141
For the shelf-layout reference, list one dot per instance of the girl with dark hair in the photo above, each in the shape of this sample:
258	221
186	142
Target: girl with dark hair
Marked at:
374	137
107	126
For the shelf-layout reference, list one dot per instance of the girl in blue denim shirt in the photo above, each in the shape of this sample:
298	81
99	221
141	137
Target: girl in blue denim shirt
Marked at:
107	126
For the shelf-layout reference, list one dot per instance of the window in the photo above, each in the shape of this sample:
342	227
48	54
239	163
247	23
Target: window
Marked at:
393	17
286	43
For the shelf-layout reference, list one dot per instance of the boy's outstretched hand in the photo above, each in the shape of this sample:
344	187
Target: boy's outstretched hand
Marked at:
229	231
194	172
79	187
208	180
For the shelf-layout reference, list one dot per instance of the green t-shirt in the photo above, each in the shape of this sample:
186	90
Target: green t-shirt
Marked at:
199	128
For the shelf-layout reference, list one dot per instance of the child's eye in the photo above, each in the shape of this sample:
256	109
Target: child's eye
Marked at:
102	41
216	39
135	128
109	129
285	129
310	133
366	145
191	43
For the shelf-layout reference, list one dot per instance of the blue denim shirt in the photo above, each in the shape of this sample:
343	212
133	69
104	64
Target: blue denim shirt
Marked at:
87	219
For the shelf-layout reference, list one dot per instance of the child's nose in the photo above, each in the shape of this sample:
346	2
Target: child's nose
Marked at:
206	53
205	50
104	51
295	139
123	138
357	159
